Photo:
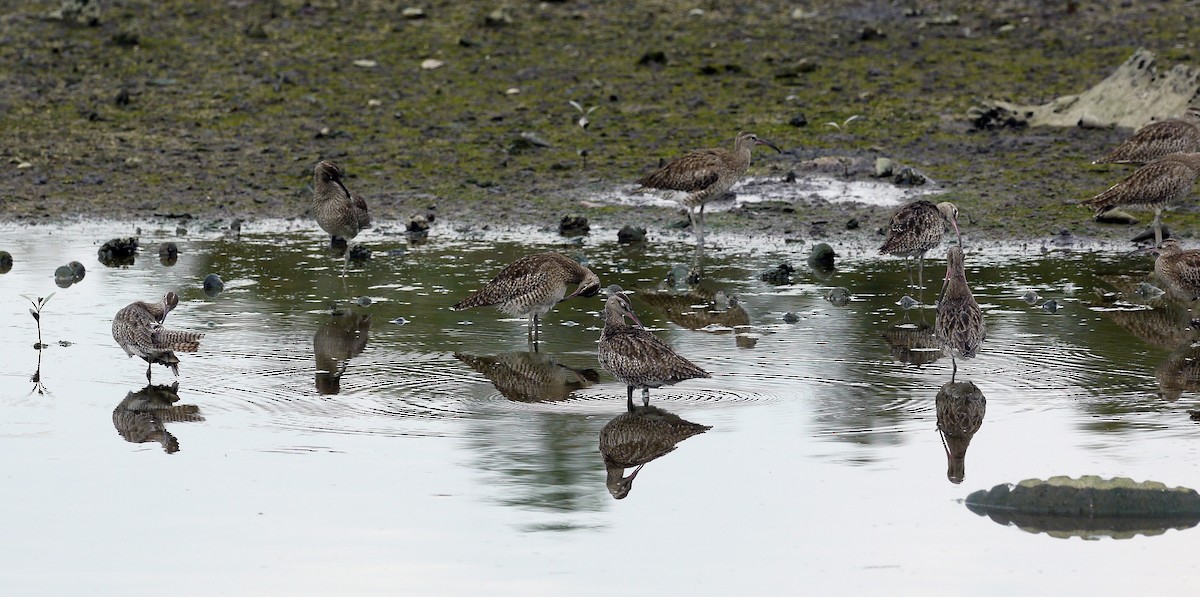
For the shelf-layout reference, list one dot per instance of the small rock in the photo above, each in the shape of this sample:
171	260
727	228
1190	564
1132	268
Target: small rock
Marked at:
168	249
573	226
852	224
907	302
118	251
821	256
631	234
527	142
909	177
838	296
413	13
6	262
359	253
790	317
432	64
417	228
370	64
1050	306
122	98
1031	297
798	121
780	274
363	301
77	271
1149	291
653	57
396	252
870	33
63	276
213	285
883	167
399	321
497	18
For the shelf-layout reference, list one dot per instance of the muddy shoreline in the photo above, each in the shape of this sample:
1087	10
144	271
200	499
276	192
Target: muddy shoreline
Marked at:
157	112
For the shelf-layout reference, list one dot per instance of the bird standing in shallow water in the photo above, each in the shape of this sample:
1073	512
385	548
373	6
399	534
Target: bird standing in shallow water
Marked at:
338	211
1156	184
138	328
917	228
704	175
1158	139
532	285
959	326
635	356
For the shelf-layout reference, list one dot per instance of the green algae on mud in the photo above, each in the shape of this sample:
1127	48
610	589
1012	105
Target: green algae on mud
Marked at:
225	111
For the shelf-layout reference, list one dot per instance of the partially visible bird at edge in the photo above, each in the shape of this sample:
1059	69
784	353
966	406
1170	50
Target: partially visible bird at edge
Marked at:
138	329
1155	185
703	175
1158	139
636	357
338	211
959	327
917	228
531	286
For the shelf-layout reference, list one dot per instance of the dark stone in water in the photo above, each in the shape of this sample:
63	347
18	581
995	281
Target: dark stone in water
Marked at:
6	262
359	253
168	249
798	121
852	224
418	229
213	285
838	296
781	274
790	317
77	271
64	277
821	256
118	251
631	234
337	243
573	226
909	177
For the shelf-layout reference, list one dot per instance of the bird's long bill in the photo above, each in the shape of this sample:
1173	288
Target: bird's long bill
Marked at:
634	318
348	196
635	472
957	234
768	144
583	290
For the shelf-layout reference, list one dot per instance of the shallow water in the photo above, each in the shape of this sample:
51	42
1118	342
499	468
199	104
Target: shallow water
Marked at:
310	453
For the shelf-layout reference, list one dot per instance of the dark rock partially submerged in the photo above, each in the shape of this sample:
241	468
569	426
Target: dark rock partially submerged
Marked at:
1089	506
118	251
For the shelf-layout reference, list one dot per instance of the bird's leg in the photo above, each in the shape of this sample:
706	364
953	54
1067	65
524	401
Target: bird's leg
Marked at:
908	270
954	371
346	261
536	321
645	396
921	277
1158	237
148	365
629	398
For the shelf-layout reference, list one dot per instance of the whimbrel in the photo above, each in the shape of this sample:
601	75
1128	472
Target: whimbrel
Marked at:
142	416
959	326
704	174
338	211
635	356
915	229
1155	140
960	410
337	340
636	437
532	285
1158	183
138	328
1178	268
530	376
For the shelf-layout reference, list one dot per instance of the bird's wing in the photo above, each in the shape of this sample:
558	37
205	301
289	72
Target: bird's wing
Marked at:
693	172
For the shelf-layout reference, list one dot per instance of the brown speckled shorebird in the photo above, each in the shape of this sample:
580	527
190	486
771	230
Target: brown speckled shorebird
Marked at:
705	174
1156	184
1178	269
959	326
138	328
636	437
338	211
337	340
532	285
142	416
1157	139
917	228
960	410
635	356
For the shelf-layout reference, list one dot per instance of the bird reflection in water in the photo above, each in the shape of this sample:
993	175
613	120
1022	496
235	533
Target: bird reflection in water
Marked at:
960	410
637	437
697	304
912	343
338	339
142	416
1168	325
1179	373
530	376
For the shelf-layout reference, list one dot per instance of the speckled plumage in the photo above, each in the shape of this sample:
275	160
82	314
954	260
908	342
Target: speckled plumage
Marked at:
960	411
1155	185
1158	139
913	344
637	357
959	326
338	211
532	285
1179	269
138	328
705	174
916	228
142	416
530	376
638	436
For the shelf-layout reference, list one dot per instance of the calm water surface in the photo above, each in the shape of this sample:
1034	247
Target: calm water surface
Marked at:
401	447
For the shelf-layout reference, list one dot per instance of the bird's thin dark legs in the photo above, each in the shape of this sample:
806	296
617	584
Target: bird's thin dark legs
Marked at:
645	396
